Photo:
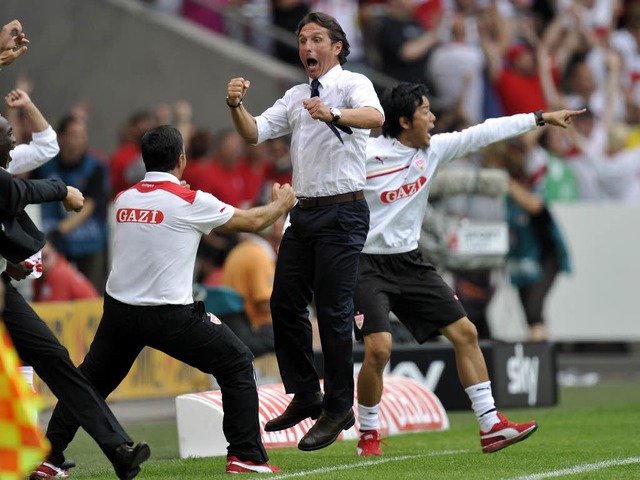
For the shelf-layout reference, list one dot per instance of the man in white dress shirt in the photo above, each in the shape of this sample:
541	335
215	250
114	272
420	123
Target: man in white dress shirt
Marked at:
329	120
393	275
149	296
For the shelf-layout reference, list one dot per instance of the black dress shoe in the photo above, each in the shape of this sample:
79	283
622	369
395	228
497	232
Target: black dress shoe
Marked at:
302	406
127	459
326	430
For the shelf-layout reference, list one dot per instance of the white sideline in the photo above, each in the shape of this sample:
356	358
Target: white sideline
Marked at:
588	467
364	464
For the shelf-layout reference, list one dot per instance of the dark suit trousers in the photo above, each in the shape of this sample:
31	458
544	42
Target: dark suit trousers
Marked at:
38	346
184	332
319	256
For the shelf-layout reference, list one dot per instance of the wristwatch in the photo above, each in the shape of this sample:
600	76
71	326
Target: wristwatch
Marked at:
539	118
336	114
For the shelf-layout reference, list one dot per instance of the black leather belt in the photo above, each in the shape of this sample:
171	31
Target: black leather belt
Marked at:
306	202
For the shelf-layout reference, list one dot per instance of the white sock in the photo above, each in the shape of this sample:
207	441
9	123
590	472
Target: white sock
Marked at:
483	405
368	417
27	374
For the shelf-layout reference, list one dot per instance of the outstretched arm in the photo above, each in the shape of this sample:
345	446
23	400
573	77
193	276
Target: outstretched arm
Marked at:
259	218
561	118
16	193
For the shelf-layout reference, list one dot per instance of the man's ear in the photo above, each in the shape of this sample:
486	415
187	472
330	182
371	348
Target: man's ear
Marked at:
337	47
405	122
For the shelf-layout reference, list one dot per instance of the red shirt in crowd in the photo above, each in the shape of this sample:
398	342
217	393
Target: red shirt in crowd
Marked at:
62	282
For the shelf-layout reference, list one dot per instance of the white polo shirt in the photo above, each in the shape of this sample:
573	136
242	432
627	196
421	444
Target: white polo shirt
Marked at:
398	178
158	227
322	165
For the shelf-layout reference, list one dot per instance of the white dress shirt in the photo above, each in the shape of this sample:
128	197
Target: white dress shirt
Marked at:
322	165
29	156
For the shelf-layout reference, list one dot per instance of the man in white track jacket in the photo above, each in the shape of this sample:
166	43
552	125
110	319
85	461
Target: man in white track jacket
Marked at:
393	276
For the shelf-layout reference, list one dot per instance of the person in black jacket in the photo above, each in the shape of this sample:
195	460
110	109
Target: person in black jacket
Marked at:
34	341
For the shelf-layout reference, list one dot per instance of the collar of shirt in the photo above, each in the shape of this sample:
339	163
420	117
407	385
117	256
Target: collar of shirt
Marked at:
161	177
328	78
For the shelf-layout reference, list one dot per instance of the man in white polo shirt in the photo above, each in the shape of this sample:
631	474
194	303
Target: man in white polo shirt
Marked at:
149	299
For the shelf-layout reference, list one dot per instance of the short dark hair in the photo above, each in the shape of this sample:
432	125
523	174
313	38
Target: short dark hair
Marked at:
65	123
400	101
335	31
161	148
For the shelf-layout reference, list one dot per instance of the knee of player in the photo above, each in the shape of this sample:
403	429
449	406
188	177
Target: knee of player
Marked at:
377	353
462	332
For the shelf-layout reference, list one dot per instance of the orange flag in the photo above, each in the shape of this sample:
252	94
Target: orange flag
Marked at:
22	444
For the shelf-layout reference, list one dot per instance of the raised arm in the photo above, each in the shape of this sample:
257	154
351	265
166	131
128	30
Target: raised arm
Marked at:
19	99
244	122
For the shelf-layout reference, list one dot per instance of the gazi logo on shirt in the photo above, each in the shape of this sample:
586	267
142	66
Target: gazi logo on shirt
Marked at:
522	372
136	215
403	192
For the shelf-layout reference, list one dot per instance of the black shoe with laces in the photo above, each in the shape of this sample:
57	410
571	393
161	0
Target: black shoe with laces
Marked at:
127	459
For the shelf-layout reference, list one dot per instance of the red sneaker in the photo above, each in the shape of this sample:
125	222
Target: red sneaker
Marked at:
369	444
234	465
505	433
47	470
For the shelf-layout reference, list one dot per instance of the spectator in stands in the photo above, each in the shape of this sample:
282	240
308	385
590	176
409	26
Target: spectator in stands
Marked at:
346	12
454	69
253	170
199	155
286	15
82	238
560	182
512	67
280	166
125	163
60	281
537	251
222	177
404	43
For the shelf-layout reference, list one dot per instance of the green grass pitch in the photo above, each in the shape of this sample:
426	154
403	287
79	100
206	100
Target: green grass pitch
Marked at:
594	433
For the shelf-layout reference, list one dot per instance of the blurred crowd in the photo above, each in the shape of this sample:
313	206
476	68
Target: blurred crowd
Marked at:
483	59
480	59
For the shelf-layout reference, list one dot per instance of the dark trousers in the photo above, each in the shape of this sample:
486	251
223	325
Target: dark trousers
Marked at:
534	295
319	256
186	333
38	346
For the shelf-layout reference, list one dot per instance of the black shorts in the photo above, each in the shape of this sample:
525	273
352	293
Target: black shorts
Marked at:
409	287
